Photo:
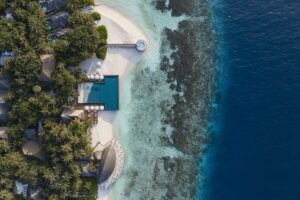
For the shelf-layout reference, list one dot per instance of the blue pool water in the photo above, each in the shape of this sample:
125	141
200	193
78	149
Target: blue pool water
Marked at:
257	151
106	93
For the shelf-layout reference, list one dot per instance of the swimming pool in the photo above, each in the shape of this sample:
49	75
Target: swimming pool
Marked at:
100	93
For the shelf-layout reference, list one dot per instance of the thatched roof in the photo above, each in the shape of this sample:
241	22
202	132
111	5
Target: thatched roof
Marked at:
3	133
97	155
107	164
48	67
35	193
32	148
71	114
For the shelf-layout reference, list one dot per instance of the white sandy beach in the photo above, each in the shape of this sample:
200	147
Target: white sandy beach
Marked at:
118	61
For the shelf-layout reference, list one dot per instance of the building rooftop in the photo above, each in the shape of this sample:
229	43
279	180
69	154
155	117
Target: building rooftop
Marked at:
104	93
3	133
59	20
107	164
30	134
3	112
4	83
48	67
32	148
6	56
51	5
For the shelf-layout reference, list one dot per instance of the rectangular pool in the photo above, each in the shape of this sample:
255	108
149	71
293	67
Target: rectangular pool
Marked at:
100	93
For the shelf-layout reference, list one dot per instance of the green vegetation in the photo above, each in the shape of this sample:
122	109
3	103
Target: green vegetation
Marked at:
96	16
81	42
89	190
74	5
32	101
101	53
3	5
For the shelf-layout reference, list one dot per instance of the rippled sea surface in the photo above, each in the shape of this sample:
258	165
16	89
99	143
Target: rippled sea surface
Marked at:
256	153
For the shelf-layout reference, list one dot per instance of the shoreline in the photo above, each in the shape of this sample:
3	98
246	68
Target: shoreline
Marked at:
164	137
118	61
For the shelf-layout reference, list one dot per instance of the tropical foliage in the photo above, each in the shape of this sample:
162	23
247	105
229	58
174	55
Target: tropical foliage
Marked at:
32	102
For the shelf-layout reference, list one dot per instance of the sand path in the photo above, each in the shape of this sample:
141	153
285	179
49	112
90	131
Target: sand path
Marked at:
118	61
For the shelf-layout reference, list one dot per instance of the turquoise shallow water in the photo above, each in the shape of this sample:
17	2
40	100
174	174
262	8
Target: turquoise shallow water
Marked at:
165	100
106	92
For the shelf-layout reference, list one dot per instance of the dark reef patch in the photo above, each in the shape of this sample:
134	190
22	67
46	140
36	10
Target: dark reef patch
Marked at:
191	74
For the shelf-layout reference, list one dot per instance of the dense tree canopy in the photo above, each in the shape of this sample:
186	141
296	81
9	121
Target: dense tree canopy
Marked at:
74	5
35	103
3	5
65	83
24	69
34	19
81	42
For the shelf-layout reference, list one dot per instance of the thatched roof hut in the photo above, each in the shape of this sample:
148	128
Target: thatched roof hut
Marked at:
3	133
32	148
48	67
107	164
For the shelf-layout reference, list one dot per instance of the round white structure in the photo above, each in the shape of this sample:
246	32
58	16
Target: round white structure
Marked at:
101	107
92	77
101	77
98	64
97	77
141	45
97	108
86	108
92	107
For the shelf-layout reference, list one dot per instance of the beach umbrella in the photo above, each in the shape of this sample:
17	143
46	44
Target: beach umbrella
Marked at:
98	64
86	108
97	108
98	71
101	77
92	107
97	76
101	107
92	77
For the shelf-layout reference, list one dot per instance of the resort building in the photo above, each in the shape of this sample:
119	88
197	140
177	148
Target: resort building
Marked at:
27	192
3	106
34	193
85	171
48	67
57	34
51	5
59	20
8	14
69	115
107	164
100	92
4	83
30	134
6	55
32	147
3	133
20	189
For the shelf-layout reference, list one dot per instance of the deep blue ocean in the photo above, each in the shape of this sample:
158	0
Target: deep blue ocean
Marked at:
256	152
